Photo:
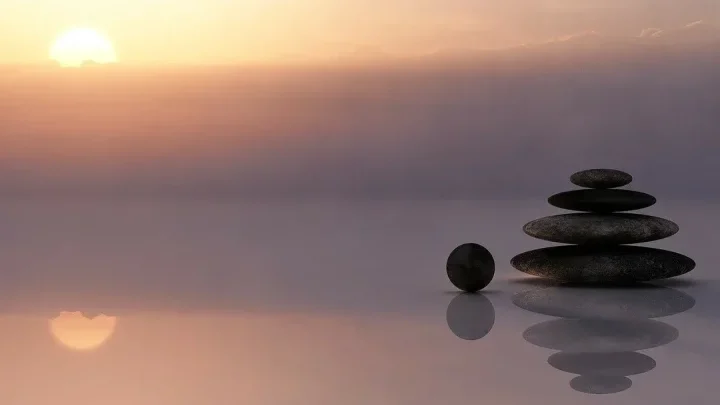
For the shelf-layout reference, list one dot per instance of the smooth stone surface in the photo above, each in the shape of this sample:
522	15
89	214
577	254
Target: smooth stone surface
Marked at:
470	267
599	384
600	335
602	265
601	178
470	316
619	364
601	229
602	201
642	301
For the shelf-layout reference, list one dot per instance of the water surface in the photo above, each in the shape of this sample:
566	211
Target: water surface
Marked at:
319	302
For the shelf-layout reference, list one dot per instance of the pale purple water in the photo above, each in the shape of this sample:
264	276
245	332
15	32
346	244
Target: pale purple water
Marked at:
232	302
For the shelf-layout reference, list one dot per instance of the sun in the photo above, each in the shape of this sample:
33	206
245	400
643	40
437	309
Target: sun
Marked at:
78	332
79	46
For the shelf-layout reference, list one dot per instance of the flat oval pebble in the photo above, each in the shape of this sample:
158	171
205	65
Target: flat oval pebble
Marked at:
602	265
600	384
601	178
641	301
602	201
618	364
601	229
600	335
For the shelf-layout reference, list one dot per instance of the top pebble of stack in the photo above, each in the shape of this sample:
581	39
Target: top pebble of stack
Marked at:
601	178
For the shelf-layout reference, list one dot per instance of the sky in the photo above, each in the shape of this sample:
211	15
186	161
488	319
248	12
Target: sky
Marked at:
631	85
468	125
225	31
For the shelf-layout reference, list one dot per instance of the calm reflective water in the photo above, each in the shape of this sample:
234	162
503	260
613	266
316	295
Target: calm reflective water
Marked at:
227	302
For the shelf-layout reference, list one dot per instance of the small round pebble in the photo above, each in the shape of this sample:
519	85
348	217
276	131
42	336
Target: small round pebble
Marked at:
470	316
470	267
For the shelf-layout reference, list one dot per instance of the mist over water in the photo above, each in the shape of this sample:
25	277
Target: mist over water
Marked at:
233	255
484	125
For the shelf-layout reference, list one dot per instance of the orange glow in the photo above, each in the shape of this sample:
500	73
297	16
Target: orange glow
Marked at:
210	32
78	332
82	45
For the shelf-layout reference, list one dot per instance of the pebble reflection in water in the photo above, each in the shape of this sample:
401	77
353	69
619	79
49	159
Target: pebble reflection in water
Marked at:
470	316
601	329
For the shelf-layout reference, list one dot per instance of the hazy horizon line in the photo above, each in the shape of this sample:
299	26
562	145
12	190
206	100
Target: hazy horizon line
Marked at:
355	56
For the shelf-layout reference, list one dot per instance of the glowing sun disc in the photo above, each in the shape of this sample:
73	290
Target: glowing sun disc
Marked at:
78	332
78	46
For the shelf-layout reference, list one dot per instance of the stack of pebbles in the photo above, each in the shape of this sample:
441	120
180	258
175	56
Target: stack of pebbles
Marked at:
599	237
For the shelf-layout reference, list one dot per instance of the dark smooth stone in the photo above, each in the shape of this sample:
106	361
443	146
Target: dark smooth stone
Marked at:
602	201
602	265
618	364
470	316
470	267
641	301
600	384
601	229
600	335
601	178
